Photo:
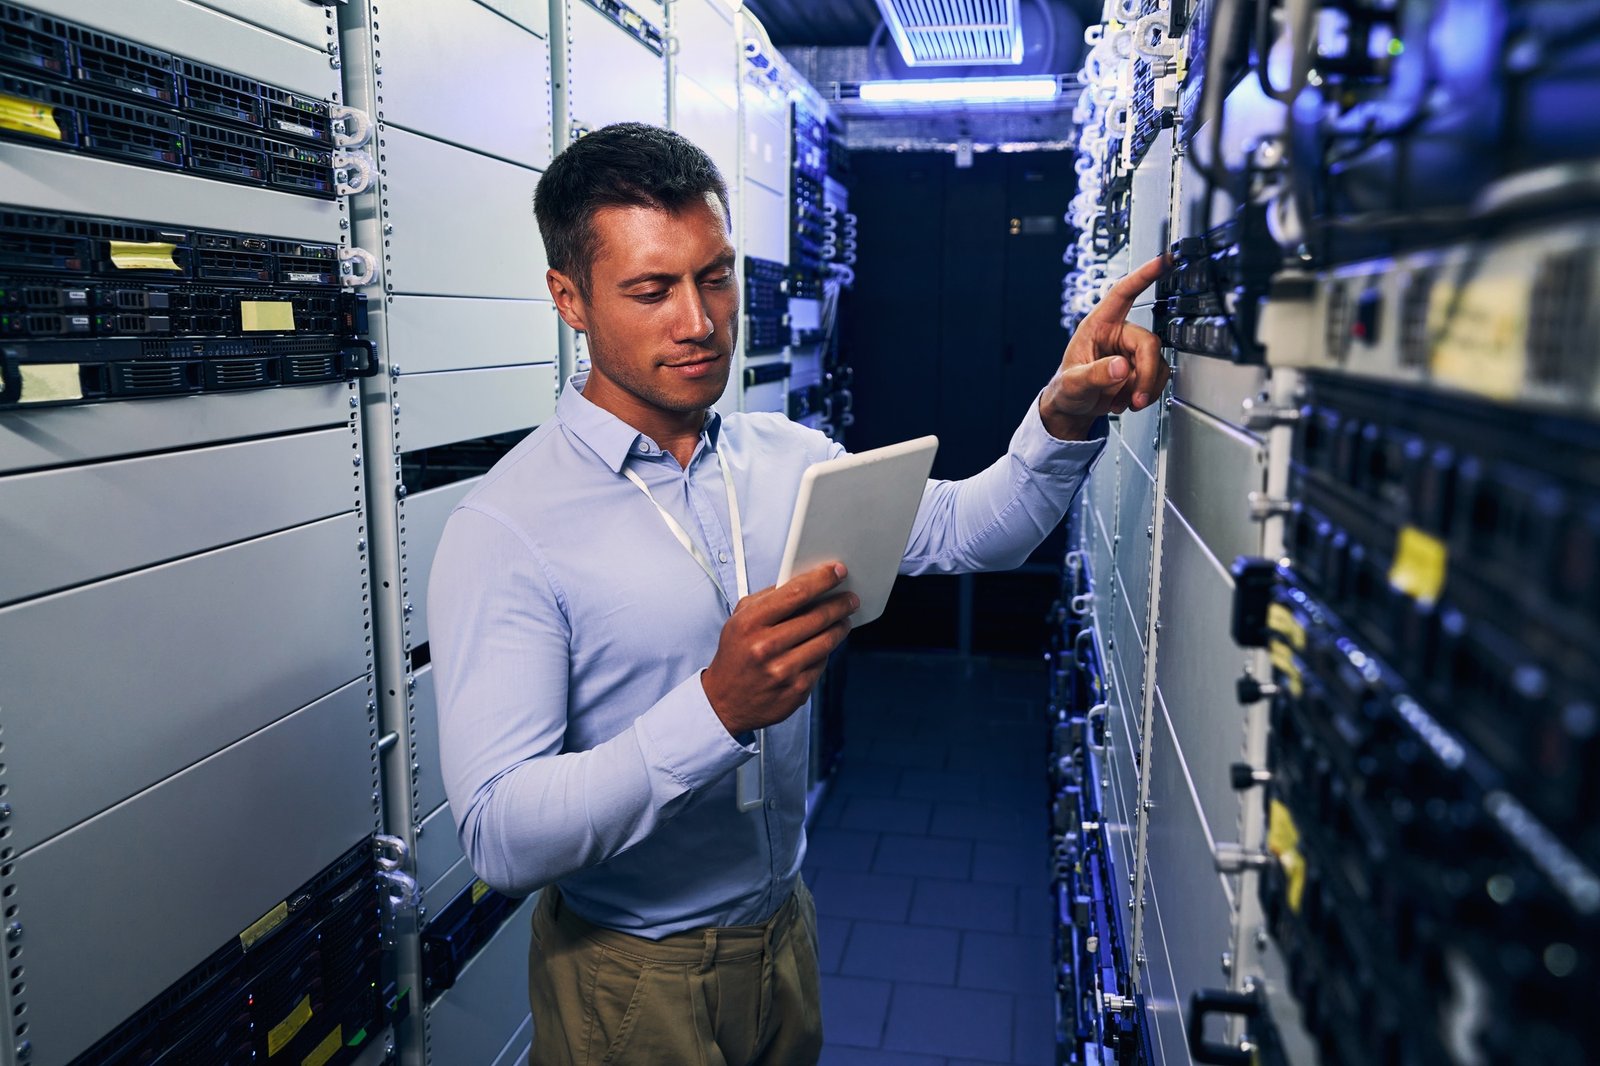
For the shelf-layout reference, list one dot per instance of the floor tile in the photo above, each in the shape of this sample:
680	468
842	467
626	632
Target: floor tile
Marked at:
1034	1033
1011	864
950	1021
855	1056
923	783
859	777
876	897
977	822
918	856
902	953
885	815
1005	963
921	753
964	905
832	936
854	1010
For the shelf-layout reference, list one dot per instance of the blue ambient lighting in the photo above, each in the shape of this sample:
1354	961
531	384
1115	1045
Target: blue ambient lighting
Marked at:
959	90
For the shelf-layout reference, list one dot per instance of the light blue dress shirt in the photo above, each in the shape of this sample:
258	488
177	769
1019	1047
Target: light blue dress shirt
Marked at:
569	629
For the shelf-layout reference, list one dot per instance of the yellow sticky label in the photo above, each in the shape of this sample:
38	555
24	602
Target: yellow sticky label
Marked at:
280	1035
141	255
1283	840
1283	662
46	382
257	316
325	1050
1420	564
479	890
1282	622
1479	334
266	924
27	116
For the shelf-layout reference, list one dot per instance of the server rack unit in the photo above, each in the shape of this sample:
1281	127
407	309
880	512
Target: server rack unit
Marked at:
467	346
1375	470
608	64
187	649
765	87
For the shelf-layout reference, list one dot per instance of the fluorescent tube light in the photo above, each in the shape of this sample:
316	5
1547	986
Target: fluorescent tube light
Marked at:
959	90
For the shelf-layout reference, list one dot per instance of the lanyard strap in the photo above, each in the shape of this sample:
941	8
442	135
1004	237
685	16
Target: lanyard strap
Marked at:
740	576
751	777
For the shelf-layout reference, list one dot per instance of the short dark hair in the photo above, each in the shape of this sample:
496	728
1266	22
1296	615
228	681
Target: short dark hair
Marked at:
629	164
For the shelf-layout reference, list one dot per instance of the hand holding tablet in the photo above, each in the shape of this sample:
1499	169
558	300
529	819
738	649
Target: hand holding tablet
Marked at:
858	510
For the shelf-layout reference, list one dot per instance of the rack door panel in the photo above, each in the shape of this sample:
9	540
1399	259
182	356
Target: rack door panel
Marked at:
85	522
431	333
426	514
473	1021
443	408
128	902
187	658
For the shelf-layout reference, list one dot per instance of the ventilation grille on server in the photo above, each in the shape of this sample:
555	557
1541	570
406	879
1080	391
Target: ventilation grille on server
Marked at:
221	93
1560	317
216	264
975	32
122	64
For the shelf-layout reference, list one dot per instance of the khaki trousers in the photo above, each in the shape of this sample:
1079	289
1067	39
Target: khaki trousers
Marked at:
736	996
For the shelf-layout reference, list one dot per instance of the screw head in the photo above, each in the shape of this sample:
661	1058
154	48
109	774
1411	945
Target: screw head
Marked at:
5	811
14	931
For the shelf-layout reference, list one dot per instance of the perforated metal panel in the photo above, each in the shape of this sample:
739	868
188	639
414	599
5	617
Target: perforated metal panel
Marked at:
285	43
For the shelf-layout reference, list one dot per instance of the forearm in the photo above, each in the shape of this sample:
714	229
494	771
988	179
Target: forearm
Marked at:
549	816
994	519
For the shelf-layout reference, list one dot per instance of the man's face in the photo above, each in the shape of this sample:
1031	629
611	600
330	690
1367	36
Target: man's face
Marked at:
662	311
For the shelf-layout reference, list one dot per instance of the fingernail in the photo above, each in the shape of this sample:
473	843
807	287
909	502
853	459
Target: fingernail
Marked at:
855	601
1118	367
838	570
1140	399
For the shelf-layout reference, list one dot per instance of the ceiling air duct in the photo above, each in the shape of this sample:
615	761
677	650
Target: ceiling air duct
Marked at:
955	32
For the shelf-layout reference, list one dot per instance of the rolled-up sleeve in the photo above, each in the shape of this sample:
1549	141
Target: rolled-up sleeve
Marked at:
994	519
528	812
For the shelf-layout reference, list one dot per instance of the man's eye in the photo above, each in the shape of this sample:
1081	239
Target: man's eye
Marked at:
721	281
650	297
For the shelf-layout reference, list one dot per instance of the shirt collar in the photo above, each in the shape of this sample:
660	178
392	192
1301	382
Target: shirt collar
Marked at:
608	436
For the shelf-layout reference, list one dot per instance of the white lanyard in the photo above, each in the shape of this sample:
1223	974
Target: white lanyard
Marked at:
741	578
752	773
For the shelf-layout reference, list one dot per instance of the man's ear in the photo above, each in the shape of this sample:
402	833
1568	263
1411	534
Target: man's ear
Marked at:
569	301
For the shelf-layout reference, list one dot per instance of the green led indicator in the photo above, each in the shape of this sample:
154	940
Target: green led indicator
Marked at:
1396	46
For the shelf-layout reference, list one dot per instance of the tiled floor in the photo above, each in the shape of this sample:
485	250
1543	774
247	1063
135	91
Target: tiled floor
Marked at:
928	859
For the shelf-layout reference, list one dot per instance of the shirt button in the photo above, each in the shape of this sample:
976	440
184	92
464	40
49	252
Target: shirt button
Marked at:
722	557
772	804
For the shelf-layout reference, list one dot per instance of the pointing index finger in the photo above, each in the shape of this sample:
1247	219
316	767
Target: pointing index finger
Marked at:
1116	304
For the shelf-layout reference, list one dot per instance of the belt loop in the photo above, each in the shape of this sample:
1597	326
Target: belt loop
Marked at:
708	958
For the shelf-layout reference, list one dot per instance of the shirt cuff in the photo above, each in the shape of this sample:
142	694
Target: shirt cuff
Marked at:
1033	445
683	736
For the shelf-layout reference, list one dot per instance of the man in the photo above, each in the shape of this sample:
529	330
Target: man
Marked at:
601	669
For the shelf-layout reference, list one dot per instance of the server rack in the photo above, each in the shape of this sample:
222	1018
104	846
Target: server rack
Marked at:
467	348
188	660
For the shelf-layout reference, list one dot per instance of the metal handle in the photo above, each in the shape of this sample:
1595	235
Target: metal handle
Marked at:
1209	1001
1081	603
1084	636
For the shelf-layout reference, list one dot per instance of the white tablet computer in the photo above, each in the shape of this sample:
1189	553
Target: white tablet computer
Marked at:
858	510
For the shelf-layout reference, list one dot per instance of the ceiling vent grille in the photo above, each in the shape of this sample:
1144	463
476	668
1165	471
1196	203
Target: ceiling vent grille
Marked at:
955	32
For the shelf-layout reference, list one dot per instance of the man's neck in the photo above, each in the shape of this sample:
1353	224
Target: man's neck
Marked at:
676	432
